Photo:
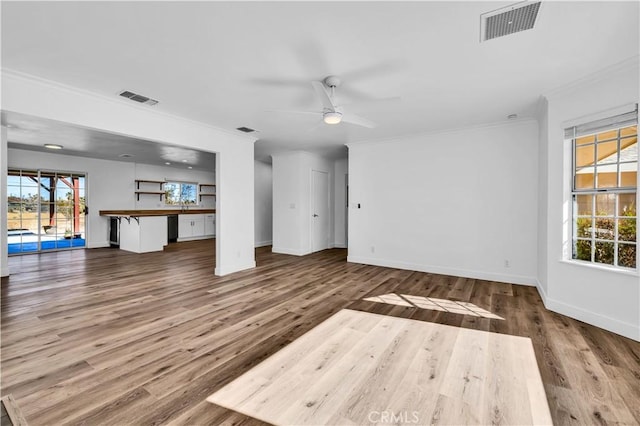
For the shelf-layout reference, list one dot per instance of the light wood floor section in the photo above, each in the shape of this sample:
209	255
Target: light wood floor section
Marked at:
107	337
11	413
356	366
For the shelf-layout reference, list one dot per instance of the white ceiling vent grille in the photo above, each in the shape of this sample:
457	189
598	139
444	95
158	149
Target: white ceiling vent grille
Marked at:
138	98
508	20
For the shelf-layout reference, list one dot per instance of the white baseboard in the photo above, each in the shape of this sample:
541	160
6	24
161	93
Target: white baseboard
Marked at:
263	243
632	331
4	272
226	270
201	237
99	244
339	245
488	276
294	252
542	293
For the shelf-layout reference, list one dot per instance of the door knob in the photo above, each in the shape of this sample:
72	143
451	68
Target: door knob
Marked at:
315	215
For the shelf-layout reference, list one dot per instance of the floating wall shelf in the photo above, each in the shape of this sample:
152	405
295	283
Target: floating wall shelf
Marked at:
202	193
154	182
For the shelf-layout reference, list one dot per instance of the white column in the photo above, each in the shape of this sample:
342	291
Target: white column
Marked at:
4	257
235	250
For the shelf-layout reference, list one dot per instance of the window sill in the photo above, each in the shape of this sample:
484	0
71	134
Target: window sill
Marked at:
630	272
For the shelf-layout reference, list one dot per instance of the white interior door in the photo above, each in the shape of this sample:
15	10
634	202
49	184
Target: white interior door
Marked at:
320	211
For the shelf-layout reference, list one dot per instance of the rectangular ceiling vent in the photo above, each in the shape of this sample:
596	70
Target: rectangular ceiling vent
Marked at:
508	20
138	98
245	129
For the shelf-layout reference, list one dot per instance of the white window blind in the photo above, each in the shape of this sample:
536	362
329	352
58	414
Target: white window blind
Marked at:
623	120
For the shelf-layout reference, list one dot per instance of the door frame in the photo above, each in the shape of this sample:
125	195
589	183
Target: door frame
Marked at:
312	210
40	171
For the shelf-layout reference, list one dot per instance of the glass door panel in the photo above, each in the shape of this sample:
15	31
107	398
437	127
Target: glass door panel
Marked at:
45	211
79	227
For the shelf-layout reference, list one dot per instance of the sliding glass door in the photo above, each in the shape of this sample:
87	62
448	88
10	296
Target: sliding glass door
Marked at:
46	210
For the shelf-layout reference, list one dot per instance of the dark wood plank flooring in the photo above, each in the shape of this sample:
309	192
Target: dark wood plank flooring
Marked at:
107	337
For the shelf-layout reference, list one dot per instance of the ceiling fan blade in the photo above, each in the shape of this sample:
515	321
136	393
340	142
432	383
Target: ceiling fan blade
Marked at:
312	59
322	93
374	101
358	121
315	127
352	94
278	82
294	112
379	69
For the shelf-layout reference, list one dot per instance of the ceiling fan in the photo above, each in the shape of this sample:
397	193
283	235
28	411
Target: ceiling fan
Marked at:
331	112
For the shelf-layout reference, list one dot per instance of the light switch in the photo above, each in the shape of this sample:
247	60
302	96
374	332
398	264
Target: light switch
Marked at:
292	206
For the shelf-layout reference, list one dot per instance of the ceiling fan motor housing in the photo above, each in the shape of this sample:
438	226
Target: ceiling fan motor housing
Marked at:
332	81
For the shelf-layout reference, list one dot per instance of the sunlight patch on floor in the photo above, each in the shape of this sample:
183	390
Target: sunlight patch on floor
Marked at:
435	304
359	368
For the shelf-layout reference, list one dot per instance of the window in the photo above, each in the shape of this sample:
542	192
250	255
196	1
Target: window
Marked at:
45	210
604	191
180	193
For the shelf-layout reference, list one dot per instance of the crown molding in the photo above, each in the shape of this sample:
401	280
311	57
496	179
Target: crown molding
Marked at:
603	73
19	75
301	152
451	131
285	153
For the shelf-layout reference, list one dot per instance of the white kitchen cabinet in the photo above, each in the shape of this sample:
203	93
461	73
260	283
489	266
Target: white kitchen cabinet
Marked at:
210	225
191	227
143	234
184	226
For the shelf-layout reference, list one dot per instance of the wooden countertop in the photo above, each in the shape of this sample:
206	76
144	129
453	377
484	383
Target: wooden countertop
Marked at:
143	213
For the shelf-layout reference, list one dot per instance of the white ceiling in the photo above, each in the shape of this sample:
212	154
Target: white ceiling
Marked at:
31	133
229	63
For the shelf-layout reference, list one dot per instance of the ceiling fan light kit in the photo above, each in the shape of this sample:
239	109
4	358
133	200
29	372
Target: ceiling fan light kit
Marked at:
332	117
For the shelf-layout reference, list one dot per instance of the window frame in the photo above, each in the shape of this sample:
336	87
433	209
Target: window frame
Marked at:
593	192
180	201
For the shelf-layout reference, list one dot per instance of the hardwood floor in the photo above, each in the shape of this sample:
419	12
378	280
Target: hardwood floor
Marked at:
359	368
107	337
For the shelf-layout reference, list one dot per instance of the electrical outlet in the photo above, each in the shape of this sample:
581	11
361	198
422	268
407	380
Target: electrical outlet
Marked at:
373	249
507	264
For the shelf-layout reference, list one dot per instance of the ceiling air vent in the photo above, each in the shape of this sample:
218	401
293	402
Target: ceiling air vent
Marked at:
138	98
508	20
245	129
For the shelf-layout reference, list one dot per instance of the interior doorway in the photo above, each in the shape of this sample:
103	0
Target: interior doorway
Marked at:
320	211
45	210
346	210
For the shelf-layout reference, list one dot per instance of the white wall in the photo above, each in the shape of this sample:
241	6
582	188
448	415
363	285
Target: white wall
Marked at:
605	298
152	172
543	185
292	200
287	194
341	169
234	160
4	254
110	184
263	188
458	203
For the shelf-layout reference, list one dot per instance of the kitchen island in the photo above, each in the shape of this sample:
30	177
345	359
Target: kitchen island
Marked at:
143	231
